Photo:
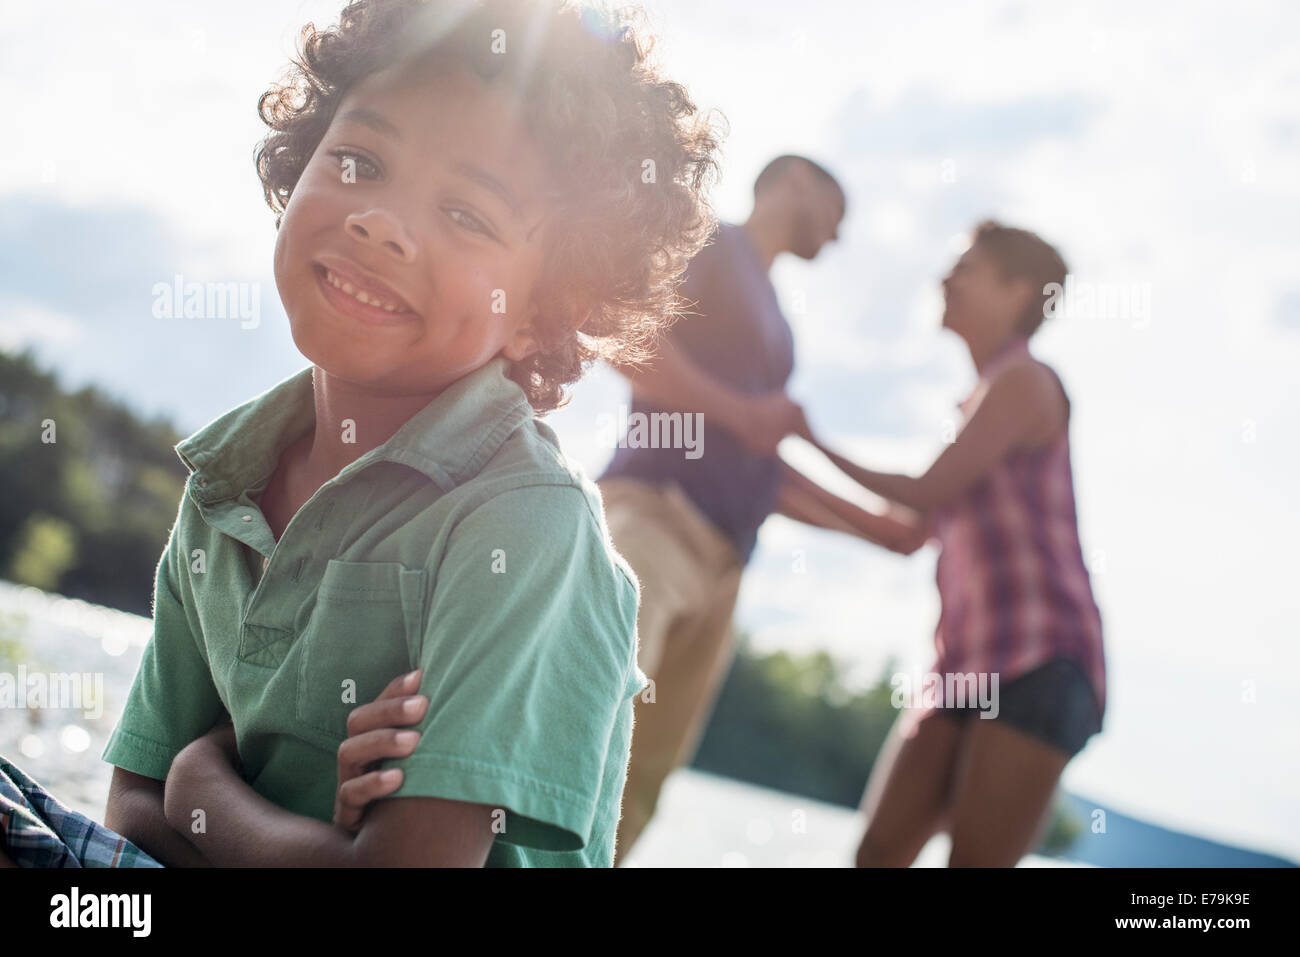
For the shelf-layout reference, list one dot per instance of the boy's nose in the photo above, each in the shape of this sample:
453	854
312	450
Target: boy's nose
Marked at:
381	228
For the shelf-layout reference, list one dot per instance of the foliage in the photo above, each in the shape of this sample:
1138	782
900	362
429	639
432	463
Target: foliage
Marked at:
788	722
88	492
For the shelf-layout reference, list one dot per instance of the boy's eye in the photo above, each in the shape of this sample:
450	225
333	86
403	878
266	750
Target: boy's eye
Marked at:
469	221
357	162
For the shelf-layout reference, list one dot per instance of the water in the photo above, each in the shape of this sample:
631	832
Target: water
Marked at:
702	821
708	821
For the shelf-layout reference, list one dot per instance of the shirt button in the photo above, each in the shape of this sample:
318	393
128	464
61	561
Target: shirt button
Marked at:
247	517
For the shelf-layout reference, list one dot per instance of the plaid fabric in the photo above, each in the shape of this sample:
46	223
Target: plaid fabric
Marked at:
37	831
1013	587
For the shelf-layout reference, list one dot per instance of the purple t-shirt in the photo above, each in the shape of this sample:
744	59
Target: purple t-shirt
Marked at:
737	335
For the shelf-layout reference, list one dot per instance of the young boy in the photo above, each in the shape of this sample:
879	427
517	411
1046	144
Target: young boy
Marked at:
476	200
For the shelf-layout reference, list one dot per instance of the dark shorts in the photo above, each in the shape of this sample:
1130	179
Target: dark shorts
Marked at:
1054	703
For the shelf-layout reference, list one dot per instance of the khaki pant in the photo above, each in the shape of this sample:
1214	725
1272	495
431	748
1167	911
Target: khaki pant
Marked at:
690	576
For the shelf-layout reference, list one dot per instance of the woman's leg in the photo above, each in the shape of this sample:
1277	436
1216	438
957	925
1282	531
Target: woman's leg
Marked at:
1004	783
907	796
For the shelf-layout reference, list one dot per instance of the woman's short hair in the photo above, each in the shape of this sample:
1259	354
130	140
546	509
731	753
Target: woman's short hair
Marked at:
1021	254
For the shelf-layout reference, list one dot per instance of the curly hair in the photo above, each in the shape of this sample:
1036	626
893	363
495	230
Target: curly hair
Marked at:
635	157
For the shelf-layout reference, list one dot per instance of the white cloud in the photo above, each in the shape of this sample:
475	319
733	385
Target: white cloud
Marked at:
25	324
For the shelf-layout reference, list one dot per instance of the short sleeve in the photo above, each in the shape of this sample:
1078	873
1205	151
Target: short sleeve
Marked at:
529	657
172	699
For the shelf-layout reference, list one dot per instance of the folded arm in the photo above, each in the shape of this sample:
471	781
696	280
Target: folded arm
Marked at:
135	810
240	828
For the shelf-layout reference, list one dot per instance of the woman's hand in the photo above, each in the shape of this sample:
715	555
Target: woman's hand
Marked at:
911	539
911	529
372	736
804	430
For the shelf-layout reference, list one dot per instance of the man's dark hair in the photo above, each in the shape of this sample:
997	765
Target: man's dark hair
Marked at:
602	114
779	167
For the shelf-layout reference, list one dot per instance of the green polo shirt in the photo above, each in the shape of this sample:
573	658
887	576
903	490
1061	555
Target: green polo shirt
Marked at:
466	545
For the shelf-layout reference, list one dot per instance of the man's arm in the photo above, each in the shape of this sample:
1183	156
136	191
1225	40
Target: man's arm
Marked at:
672	380
240	828
135	810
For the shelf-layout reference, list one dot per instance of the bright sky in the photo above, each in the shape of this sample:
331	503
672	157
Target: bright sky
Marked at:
1156	145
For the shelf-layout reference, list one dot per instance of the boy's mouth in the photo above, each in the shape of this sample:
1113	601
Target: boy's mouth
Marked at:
359	295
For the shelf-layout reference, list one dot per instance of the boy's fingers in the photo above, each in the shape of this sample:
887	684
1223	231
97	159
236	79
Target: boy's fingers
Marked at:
386	713
402	685
355	753
354	796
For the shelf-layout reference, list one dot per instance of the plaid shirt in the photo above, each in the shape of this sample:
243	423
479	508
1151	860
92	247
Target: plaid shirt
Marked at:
1013	588
38	831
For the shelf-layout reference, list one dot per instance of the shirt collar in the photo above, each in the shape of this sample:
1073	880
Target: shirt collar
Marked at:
449	440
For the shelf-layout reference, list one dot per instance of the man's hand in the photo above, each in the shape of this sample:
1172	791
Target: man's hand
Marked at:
373	736
765	420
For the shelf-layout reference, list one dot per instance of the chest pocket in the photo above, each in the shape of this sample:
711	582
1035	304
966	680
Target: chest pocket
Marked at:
363	631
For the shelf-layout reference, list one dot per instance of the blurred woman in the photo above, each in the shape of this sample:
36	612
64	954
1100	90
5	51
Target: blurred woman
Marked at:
1018	620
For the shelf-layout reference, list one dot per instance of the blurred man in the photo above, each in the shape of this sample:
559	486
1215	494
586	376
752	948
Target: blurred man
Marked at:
687	520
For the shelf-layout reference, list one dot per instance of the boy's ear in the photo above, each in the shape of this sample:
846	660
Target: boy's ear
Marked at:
521	343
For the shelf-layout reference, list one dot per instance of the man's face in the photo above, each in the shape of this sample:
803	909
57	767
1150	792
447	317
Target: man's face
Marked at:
819	211
425	197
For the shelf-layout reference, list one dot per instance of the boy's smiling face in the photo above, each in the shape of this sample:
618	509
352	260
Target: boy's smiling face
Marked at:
427	197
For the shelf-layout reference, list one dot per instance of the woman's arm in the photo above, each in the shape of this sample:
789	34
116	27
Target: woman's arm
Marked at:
1021	404
804	500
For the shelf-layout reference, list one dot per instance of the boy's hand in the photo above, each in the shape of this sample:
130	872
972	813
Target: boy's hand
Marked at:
373	736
